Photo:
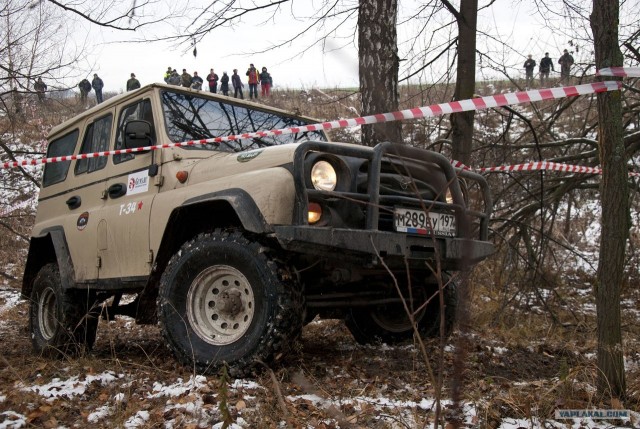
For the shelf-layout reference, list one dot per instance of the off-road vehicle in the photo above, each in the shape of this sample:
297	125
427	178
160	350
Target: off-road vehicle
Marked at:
233	246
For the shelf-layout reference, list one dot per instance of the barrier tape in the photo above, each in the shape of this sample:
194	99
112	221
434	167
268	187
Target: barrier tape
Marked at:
478	103
619	71
544	165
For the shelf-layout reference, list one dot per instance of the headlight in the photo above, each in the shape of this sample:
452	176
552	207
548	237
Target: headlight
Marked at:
448	196
323	176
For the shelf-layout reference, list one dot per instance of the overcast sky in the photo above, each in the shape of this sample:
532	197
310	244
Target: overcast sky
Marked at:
336	66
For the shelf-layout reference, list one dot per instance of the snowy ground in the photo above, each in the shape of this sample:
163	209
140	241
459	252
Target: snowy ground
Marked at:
131	381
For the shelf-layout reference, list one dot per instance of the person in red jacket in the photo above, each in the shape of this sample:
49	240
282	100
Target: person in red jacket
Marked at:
212	78
254	77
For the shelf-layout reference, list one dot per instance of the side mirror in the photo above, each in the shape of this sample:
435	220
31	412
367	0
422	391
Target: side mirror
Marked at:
137	133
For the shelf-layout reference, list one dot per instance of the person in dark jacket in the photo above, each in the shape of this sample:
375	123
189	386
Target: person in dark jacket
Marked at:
237	84
174	79
529	65
546	65
265	82
97	86
185	78
224	83
566	61
212	78
40	88
85	88
133	83
196	81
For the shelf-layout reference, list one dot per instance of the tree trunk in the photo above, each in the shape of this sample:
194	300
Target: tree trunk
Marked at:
462	123
615	205
378	68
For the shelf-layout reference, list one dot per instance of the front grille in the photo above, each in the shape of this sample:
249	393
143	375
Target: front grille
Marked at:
386	177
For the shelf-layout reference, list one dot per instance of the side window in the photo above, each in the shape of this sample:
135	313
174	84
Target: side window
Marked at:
96	139
57	171
138	111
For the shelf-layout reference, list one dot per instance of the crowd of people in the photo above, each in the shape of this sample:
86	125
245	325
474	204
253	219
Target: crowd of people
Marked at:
546	66
85	88
263	78
224	83
186	80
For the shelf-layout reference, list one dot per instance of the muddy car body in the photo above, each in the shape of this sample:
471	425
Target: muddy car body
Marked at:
233	246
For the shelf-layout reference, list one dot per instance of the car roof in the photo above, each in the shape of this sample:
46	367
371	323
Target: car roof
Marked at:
162	86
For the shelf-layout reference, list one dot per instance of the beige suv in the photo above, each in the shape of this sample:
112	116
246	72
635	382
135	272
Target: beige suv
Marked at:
233	246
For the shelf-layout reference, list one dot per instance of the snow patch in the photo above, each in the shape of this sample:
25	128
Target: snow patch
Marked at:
178	388
69	388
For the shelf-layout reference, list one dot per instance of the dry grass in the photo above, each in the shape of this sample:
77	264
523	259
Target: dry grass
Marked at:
530	348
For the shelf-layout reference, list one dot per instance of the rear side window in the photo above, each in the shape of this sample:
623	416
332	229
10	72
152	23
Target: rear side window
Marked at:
96	139
57	171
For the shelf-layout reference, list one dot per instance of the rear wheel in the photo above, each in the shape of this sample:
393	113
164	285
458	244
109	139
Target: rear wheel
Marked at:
225	299
61	322
389	323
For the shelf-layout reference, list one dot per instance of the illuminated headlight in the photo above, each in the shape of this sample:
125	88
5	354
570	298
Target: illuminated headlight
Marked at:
323	176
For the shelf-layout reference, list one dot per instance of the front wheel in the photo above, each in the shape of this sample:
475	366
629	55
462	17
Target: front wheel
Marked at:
61	322
389	323
225	299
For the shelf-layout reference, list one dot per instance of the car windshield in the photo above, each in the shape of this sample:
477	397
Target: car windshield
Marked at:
188	117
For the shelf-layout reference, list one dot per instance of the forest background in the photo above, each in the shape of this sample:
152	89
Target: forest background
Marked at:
534	299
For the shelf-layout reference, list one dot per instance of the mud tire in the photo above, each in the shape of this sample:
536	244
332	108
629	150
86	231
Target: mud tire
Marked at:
390	324
189	300
61	322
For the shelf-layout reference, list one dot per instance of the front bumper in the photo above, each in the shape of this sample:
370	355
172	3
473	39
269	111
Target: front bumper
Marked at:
341	243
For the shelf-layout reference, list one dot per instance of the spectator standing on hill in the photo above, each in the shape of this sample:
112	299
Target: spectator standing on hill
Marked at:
40	88
174	79
529	65
196	81
265	82
565	61
133	83
97	86
186	79
237	84
167	74
254	77
85	88
212	78
224	83
546	65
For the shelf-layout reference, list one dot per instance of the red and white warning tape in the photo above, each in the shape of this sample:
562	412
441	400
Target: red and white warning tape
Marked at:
619	71
539	165
478	103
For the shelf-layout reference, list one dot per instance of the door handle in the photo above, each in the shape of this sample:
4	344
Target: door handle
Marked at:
74	202
117	190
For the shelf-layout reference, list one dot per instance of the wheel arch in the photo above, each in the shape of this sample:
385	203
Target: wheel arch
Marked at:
49	247
233	208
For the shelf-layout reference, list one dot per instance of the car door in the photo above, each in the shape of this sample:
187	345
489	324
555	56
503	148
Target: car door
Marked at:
123	229
85	196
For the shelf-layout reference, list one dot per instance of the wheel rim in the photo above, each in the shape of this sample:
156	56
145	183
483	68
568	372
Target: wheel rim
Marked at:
47	313
220	305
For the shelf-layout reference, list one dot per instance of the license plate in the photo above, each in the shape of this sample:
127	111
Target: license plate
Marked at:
420	222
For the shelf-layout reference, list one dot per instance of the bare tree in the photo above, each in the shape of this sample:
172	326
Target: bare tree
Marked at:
378	68
462	123
615	206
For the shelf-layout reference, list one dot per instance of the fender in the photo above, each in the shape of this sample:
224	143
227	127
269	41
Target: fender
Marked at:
242	203
50	246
